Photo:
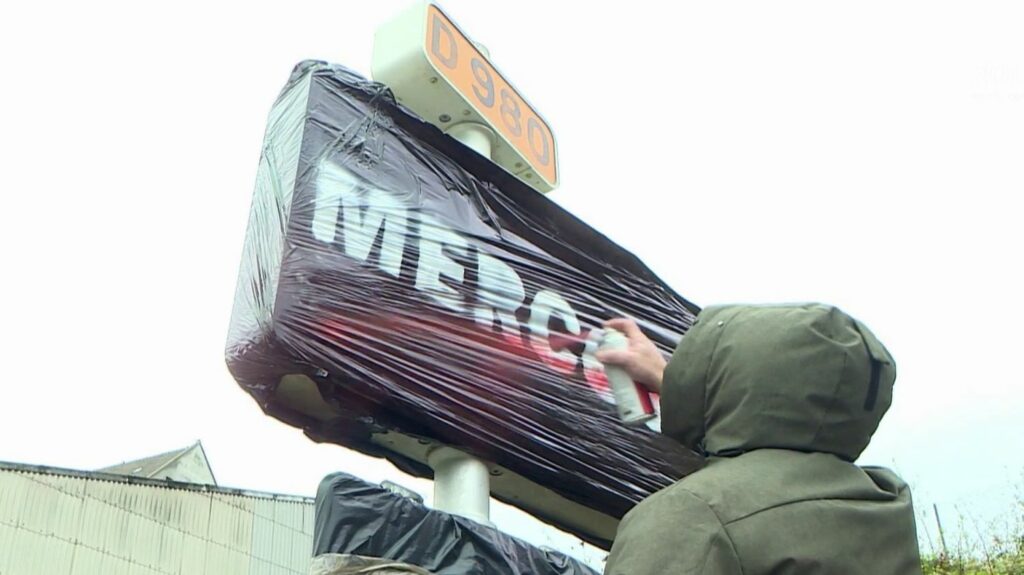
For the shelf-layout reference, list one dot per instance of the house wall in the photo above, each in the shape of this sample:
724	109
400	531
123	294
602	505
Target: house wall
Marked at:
190	468
91	525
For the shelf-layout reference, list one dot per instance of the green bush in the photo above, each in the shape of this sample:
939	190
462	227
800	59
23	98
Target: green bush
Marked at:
1000	552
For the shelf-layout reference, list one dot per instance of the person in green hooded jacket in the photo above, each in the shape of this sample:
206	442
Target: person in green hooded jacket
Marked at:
782	400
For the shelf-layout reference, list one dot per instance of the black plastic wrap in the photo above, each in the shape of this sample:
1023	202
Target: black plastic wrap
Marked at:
415	287
346	564
359	518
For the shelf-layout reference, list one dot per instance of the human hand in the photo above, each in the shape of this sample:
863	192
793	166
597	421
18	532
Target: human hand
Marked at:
642	360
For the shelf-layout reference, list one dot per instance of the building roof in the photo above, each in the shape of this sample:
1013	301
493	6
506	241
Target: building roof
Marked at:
135	480
149	467
62	520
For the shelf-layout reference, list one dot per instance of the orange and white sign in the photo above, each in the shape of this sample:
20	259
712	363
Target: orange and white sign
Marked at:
437	71
460	63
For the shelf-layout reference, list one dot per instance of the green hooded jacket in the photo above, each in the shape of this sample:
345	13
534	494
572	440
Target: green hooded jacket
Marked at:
782	399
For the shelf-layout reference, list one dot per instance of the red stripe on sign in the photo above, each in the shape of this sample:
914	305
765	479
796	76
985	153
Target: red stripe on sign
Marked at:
646	402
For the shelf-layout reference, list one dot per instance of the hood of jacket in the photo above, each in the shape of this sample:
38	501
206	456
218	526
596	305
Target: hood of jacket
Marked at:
801	377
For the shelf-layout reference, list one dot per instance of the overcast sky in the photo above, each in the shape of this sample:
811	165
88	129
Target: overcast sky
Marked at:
868	154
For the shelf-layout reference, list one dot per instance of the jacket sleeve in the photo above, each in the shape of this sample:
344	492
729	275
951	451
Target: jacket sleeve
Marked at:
672	532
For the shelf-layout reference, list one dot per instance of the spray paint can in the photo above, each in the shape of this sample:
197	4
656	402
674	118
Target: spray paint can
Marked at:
632	401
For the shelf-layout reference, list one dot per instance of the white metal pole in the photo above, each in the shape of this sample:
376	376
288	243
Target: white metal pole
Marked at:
462	483
476	136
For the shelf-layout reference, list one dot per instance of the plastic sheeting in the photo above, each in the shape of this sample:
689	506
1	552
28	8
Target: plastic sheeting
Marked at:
339	564
393	280
354	517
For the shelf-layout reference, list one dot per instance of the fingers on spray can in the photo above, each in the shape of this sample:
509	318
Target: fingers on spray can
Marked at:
632	401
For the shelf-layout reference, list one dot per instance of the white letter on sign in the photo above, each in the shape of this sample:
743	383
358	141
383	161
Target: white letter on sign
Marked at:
365	212
435	239
501	292
436	28
546	304
331	183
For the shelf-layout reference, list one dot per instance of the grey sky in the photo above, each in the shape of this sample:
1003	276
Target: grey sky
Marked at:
867	155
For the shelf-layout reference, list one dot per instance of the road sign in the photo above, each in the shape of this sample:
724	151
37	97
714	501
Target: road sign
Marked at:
438	72
399	292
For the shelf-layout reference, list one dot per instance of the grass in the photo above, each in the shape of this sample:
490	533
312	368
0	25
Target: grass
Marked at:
996	550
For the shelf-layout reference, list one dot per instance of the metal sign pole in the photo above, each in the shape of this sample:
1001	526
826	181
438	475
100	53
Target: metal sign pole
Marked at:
439	73
462	483
476	136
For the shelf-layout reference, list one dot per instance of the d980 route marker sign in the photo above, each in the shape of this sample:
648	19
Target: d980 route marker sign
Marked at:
437	71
